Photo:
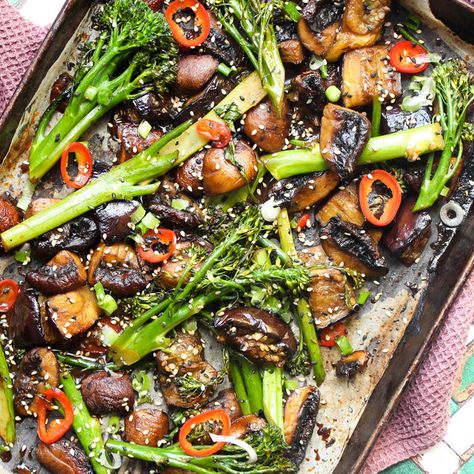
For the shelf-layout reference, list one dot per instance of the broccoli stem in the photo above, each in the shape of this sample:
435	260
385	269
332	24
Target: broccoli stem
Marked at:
304	311
239	386
253	384
376	116
272	383
407	143
7	418
86	427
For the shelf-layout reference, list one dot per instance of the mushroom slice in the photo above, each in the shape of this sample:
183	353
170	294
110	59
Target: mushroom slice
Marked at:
365	16
301	410
38	371
244	425
63	457
349	365
227	400
106	392
117	268
146	426
318	43
261	336
189	174
74	312
194	71
291	51
344	205
352	247
344	134
64	272
114	220
9	215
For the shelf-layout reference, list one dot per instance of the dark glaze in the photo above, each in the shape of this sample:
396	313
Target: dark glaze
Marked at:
349	245
319	14
114	220
238	328
395	119
59	88
344	134
349	365
310	86
409	233
63	457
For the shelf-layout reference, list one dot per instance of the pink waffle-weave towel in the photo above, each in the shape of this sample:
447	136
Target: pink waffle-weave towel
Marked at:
420	419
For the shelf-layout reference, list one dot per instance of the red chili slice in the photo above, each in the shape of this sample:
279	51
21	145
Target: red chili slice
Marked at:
202	23
59	427
84	165
390	206
403	57
156	241
328	336
218	132
9	290
303	222
212	415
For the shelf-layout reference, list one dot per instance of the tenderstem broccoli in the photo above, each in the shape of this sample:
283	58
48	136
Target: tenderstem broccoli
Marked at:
133	53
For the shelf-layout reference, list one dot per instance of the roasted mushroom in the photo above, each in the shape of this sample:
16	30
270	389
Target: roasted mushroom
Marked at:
63	457
394	119
38	205
291	51
309	89
106	392
365	16
72	313
409	233
221	176
185	377
59	90
146	426
244	425
194	71
38	371
64	272
367	73
261	336
29	324
9	215
301	410
117	268
303	191
344	134
114	220
227	400
344	205
266	127
350	246
189	174
349	365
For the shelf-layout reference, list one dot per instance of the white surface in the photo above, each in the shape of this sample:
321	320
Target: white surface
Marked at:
440	459
459	435
41	12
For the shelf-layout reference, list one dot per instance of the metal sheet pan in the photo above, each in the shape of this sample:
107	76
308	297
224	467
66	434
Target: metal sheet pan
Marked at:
396	327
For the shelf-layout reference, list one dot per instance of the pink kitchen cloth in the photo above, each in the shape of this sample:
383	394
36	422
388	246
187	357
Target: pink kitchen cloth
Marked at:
420	419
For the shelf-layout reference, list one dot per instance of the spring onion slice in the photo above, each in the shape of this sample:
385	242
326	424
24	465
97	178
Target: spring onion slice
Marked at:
238	442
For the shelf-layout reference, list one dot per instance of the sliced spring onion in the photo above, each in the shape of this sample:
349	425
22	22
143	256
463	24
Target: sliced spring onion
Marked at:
451	214
150	221
90	93
333	93
25	199
318	62
144	129
344	345
23	256
363	296
238	442
224	69
179	204
270	210
105	302
445	191
108	335
291	9
142	385
138	215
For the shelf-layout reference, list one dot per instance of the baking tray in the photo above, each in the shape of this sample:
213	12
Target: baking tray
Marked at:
417	315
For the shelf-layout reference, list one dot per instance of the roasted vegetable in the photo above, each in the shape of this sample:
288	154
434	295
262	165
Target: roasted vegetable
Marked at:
9	215
131	142
194	71
344	205
349	246
63	457
365	16
344	135
64	272
366	73
349	365
38	371
409	234
395	119
245	425
7	420
146	426
291	51
189	174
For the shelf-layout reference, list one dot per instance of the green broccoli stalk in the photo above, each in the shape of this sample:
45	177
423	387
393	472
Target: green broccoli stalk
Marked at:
7	418
455	92
269	445
134	53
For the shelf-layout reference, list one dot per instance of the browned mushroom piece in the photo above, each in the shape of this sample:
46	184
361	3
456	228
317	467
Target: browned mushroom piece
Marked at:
194	71
106	392
155	5
350	246
60	86
409	233
291	51
184	360
365	73
349	365
38	205
303	191
227	400
9	215
301	410
344	135
365	16
114	220
245	425
189	174
266	127
116	267
221	176
344	205
72	313
63	457
29	324
146	426
38	371
64	272
261	336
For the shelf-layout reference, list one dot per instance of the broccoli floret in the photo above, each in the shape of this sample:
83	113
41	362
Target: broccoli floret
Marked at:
133	53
